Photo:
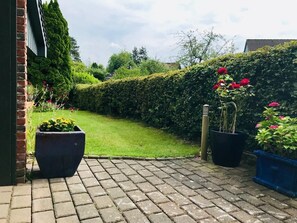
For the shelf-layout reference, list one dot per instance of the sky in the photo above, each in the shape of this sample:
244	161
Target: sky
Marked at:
105	27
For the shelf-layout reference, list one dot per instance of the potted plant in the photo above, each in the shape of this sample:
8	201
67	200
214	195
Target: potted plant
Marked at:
226	143
277	161
59	147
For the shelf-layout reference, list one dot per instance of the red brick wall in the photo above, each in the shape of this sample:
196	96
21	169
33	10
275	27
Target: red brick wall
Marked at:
21	91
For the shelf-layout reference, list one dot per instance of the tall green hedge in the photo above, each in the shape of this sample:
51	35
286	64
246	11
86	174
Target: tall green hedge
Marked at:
174	100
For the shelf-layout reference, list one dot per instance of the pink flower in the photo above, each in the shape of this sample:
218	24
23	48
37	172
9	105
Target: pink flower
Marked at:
273	126
222	70
244	81
274	104
281	117
258	126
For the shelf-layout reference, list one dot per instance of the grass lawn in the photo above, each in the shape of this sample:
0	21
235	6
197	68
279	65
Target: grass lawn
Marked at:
107	136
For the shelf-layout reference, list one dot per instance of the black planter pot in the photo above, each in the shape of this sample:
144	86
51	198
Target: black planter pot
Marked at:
59	153
227	148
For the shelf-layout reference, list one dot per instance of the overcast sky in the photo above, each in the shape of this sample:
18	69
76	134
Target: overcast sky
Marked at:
104	27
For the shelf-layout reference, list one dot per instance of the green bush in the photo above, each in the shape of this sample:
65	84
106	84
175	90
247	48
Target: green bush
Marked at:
174	101
84	78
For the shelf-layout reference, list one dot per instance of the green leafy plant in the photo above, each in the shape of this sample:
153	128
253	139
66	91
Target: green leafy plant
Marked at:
276	133
57	125
230	94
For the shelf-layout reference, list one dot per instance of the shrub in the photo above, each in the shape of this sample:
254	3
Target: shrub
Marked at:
174	101
84	78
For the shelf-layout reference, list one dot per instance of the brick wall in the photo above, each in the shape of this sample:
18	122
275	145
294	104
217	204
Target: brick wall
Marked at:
21	91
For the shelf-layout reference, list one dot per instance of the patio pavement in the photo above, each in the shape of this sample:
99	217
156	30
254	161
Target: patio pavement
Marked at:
136	191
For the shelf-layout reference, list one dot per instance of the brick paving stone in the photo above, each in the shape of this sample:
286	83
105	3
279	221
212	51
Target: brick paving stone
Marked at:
20	190
179	177
251	199
22	215
179	199
232	189
211	186
201	201
172	182
137	179
57	180
5	197
44	217
159	218
122	166
113	170
115	192
208	220
291	211
244	217
168	170
129	171
72	219
137	195
73	180
184	219
107	164
144	162
158	164
40	183
82	167
145	173
91	162
207	193
228	196
103	202
166	189
220	215
55	187
93	220
102	176
4	210
146	187
137	167
6	189
96	191
192	184
158	197
97	169
171	209
119	177
108	183
195	212
90	182
124	204
184	171
225	205
154	180
81	199
21	202
110	215
64	209
128	186
87	211
135	216
152	168
148	207
276	203
196	178
269	219
85	174
43	192
44	204
77	188
184	190
250	209
61	196
161	174
274	212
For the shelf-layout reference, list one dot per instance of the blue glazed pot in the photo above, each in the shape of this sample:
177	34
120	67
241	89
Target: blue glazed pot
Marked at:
59	153
276	172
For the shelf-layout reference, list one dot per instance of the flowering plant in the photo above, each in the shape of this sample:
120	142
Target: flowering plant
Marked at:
277	133
230	94
57	125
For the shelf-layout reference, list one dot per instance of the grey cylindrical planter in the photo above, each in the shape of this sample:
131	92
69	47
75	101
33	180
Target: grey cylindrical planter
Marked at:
59	153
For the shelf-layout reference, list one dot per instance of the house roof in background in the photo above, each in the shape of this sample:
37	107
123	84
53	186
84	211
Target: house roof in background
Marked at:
254	44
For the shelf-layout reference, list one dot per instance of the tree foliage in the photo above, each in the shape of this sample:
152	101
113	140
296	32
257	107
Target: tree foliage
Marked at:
55	69
74	50
122	59
139	55
196	47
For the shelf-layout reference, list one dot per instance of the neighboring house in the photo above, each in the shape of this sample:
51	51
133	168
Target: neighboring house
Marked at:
254	44
21	33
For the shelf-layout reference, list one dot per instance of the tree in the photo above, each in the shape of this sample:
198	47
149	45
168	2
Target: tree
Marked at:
151	66
74	50
98	71
55	69
116	61
139	55
196	46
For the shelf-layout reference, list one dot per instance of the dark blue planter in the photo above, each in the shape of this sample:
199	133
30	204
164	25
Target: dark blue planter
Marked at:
276	172
59	153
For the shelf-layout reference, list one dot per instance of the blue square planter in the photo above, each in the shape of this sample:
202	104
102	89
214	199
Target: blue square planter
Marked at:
276	172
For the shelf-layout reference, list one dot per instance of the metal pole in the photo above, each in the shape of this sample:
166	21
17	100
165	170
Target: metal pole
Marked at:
204	131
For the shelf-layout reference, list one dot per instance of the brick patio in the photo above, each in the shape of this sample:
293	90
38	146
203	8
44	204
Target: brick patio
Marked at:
136	191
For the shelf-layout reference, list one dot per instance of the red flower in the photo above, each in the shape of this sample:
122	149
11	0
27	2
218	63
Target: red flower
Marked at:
273	126
222	70
216	86
49	101
274	104
234	85
244	81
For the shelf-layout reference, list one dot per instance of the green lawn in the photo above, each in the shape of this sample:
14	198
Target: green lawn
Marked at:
107	136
